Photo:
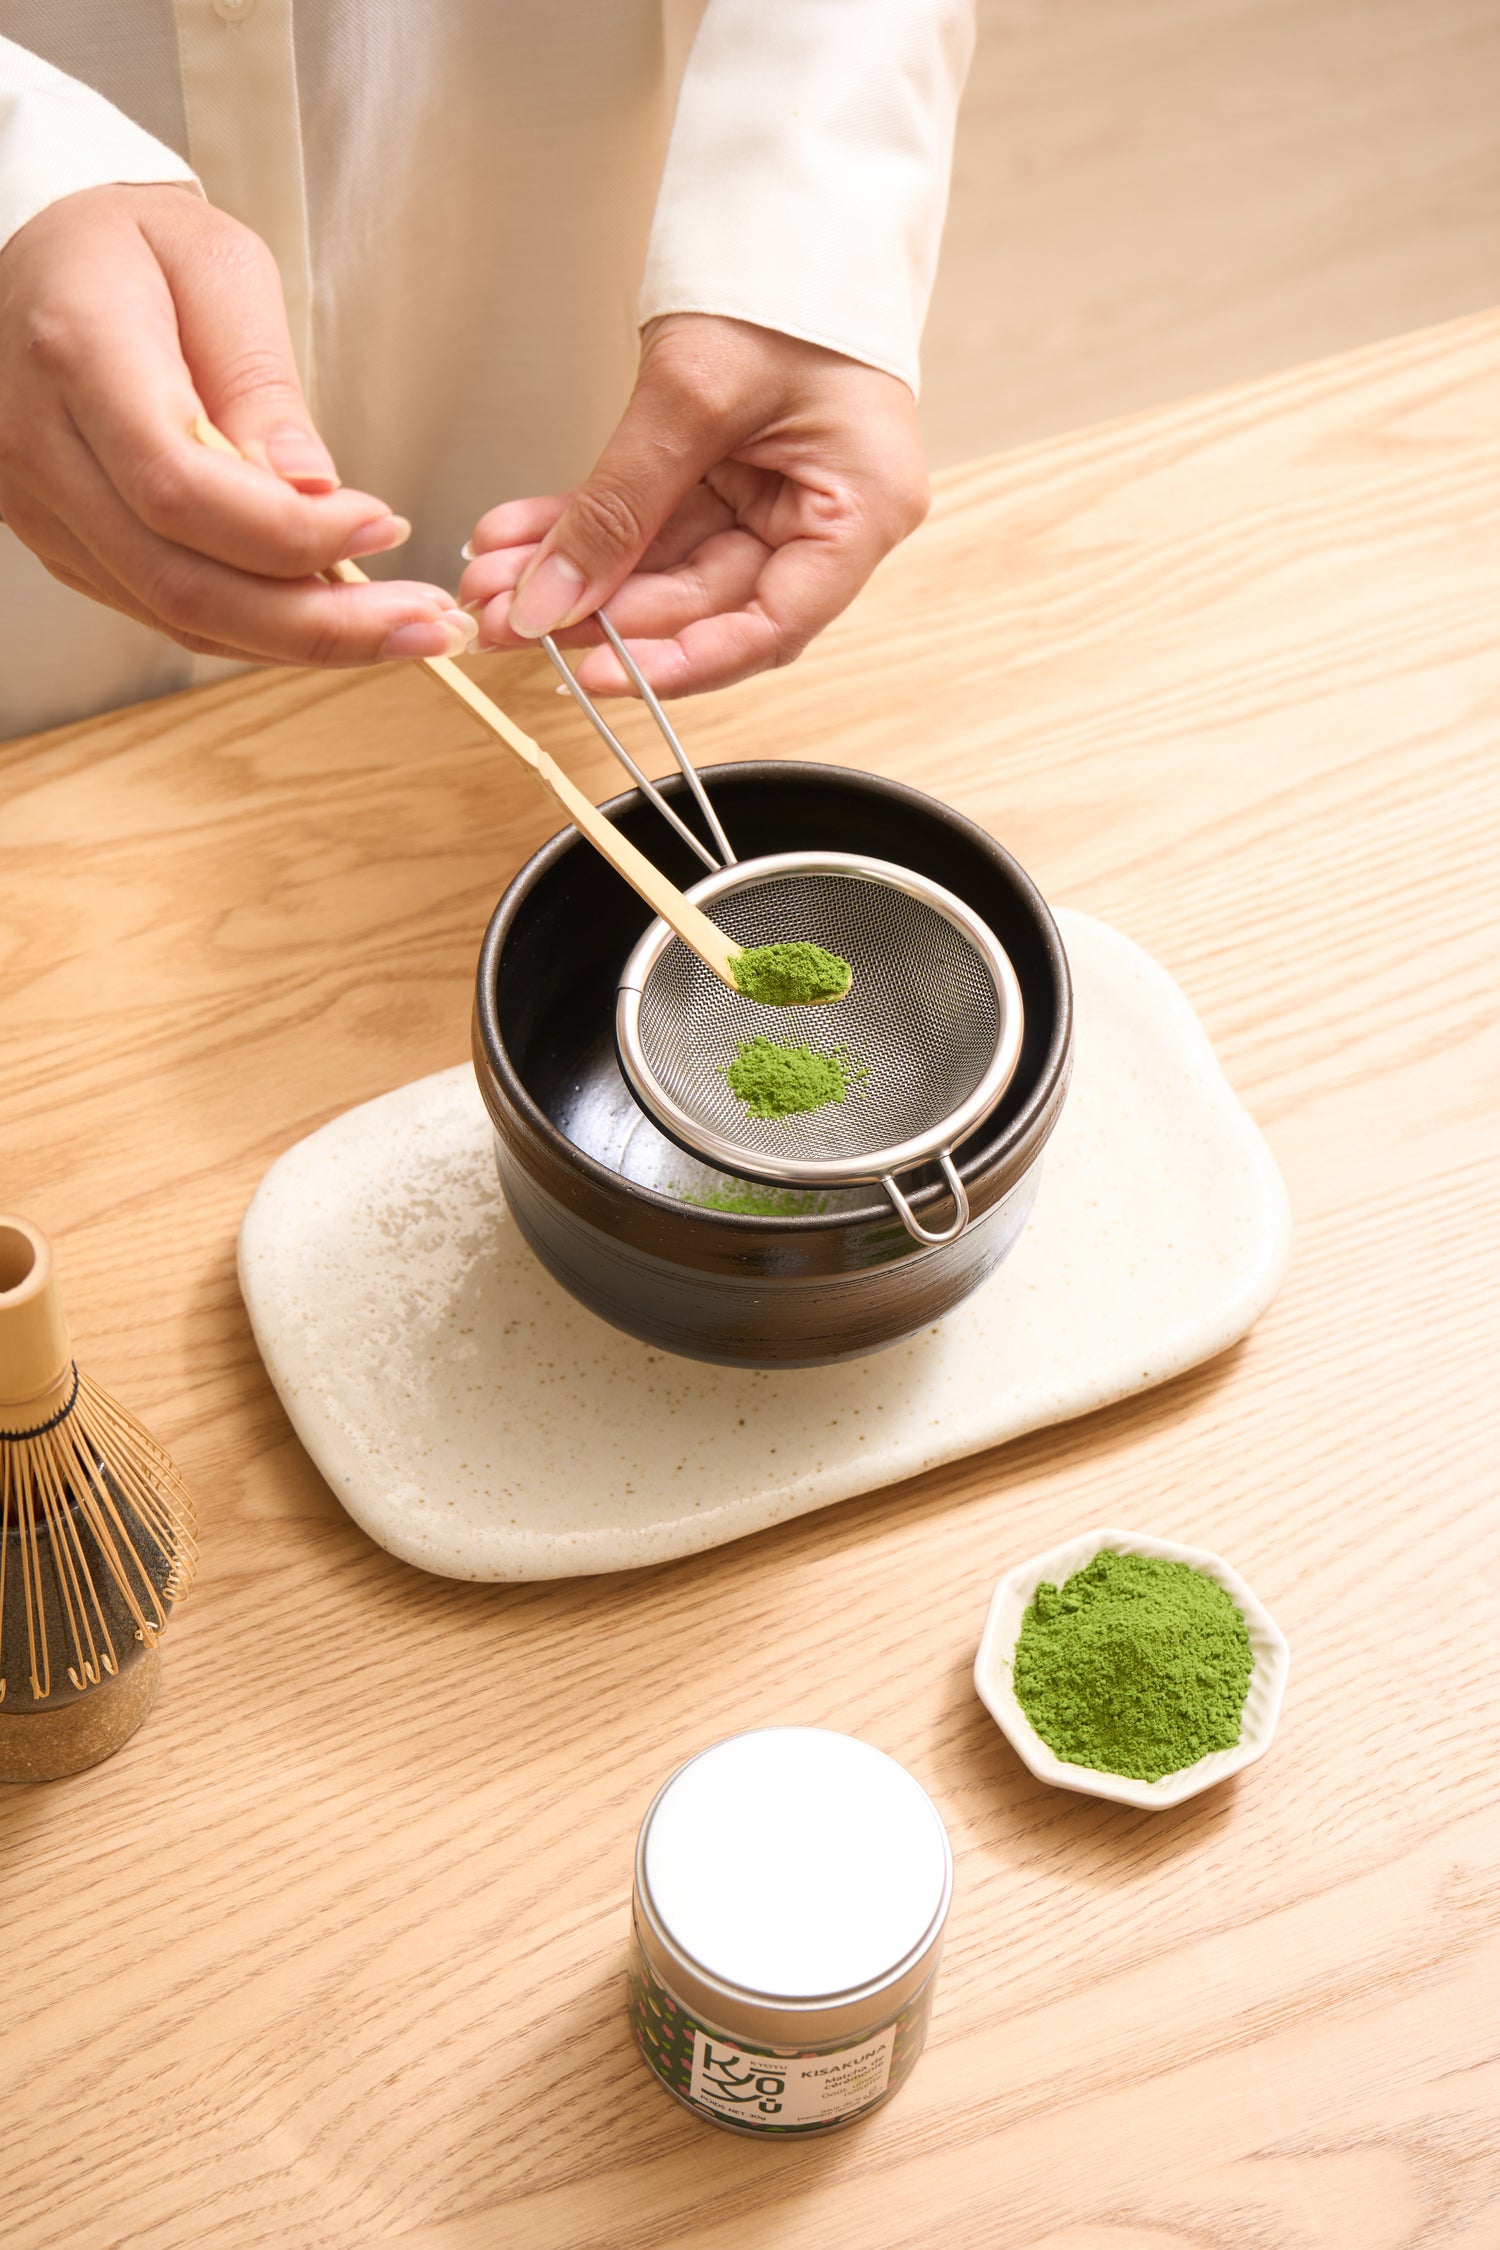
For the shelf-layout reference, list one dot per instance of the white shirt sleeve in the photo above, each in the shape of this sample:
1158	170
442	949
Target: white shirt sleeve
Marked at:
58	135
807	175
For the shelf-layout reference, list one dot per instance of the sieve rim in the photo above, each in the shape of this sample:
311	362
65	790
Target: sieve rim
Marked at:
743	1162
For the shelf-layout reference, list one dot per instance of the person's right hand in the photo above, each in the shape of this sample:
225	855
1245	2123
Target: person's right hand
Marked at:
125	312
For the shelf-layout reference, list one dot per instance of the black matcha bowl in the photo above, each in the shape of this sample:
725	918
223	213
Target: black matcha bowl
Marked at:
589	1181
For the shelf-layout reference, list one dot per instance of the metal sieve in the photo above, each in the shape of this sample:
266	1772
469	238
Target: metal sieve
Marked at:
930	1029
933	1020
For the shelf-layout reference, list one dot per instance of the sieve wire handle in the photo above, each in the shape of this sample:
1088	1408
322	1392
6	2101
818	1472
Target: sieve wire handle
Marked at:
606	733
908	1217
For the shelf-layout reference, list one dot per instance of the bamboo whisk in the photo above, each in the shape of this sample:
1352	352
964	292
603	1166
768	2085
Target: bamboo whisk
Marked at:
96	1537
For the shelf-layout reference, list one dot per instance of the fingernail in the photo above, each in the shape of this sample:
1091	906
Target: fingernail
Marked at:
467	550
546	597
301	458
449	635
377	537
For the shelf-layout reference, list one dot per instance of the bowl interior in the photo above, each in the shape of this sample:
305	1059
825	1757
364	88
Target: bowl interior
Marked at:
571	923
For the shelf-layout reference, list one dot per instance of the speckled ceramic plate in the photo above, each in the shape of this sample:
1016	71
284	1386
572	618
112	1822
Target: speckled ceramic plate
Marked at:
480	1423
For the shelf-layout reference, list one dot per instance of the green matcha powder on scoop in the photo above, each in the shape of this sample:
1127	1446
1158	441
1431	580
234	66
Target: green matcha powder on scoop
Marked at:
775	1081
790	976
1136	1666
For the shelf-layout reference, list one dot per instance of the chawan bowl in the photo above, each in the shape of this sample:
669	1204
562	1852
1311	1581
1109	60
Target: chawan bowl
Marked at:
589	1180
1002	1629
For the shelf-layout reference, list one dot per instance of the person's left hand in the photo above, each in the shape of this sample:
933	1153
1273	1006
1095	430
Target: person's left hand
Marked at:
753	484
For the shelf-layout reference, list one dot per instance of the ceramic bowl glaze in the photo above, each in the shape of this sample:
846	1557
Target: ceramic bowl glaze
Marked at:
607	1203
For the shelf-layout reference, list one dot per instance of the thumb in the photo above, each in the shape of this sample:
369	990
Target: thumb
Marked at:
237	345
668	438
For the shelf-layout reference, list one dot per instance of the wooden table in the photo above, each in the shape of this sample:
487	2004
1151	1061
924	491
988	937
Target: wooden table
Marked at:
331	1954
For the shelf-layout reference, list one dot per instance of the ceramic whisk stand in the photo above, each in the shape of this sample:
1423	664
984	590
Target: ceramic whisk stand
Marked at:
791	1890
96	1538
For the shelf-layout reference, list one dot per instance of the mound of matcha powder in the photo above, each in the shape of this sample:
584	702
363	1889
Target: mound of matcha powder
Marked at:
1136	1666
790	976
775	1081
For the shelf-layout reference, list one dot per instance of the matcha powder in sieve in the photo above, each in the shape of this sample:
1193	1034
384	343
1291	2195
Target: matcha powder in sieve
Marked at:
776	1081
796	975
1136	1666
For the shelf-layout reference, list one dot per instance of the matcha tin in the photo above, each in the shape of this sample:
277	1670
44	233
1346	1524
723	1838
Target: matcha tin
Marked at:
791	1887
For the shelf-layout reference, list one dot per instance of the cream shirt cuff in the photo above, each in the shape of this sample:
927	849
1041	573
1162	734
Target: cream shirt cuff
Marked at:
57	135
807	176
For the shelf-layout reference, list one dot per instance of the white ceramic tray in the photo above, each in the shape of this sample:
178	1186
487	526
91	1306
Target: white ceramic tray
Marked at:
479	1423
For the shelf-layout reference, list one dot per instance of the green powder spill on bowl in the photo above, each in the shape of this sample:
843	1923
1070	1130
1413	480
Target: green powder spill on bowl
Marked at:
1136	1666
746	1199
791	976
776	1081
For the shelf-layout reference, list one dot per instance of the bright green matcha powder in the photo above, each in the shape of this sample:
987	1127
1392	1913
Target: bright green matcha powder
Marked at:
746	1199
1136	1666
774	1081
791	976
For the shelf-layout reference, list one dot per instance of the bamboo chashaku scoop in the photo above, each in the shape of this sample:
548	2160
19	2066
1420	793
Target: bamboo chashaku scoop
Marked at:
96	1538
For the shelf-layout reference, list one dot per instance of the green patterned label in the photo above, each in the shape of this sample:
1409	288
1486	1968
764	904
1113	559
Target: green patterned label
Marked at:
777	2090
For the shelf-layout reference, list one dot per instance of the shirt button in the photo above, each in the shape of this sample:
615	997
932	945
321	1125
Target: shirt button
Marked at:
233	11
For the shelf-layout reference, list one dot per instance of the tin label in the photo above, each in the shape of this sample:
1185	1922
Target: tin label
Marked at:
786	2090
747	2089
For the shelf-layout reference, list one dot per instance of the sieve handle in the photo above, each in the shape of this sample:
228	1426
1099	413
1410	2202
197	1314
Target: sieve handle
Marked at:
913	1224
606	733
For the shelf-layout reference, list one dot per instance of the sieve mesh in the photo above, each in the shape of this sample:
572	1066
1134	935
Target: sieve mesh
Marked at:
923	1019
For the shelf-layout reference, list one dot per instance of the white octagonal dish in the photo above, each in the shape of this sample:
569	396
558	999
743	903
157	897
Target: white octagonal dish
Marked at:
997	1647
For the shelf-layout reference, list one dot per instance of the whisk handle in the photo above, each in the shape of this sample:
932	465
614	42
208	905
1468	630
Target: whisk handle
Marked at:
913	1224
36	1356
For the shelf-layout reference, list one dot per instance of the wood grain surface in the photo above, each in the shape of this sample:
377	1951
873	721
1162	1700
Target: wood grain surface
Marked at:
331	1953
1157	197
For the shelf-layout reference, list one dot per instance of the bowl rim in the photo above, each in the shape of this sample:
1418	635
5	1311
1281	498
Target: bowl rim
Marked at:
1002	1626
1029	1125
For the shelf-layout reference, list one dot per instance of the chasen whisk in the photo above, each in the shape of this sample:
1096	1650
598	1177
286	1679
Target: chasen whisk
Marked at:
96	1538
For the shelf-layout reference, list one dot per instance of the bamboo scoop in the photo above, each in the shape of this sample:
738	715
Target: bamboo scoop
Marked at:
695	930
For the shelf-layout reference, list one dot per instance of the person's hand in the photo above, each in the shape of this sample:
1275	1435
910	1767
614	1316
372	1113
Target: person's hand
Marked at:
753	484
125	312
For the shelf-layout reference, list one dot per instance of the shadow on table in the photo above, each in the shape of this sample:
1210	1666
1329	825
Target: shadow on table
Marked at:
1020	1819
1023	1820
27	1810
628	2166
1058	1447
469	1674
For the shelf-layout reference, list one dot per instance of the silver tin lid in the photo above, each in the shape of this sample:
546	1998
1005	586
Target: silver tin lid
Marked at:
792	1885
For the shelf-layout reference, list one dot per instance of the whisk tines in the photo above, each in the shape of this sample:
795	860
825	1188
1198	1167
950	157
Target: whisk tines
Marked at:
94	1519
97	1537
